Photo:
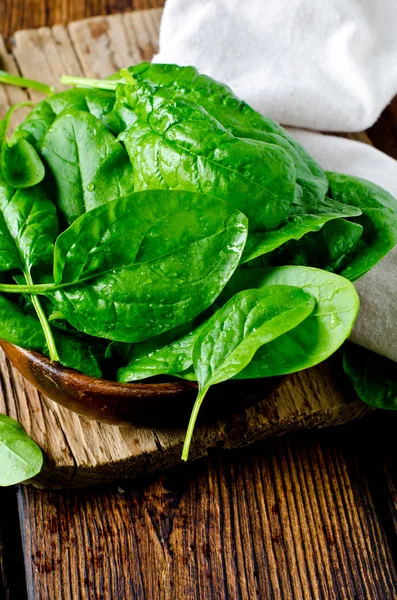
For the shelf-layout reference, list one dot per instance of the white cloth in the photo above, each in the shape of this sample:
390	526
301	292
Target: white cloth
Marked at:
321	64
329	65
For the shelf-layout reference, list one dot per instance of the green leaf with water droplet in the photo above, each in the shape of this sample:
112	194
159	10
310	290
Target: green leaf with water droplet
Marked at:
42	116
20	457
228	341
175	144
28	229
145	263
89	166
319	336
233	114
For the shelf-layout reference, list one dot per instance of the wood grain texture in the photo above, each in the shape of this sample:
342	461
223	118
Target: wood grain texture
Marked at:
293	519
81	452
27	14
390	469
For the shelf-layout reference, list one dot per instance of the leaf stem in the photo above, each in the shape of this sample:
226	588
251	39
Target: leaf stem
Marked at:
10	79
192	423
127	76
31	288
100	84
52	349
7	121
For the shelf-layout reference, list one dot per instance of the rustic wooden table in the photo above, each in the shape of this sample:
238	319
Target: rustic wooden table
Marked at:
312	516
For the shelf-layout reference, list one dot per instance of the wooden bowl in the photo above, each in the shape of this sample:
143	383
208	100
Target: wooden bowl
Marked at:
153	404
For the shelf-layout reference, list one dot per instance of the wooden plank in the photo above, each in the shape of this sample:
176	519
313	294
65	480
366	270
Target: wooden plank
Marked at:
382	469
391	476
12	575
81	452
293	519
390	470
106	44
9	94
44	55
25	14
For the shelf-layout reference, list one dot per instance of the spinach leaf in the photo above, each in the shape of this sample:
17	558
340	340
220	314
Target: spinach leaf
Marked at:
243	279
178	145
165	354
163	360
24	329
229	340
19	327
329	249
319	336
236	116
20	457
143	264
36	125
379	220
34	128
89	166
28	228
373	376
21	166
76	353
219	101
304	217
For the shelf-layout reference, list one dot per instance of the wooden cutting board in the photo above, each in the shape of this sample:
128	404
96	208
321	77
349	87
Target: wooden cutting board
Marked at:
81	452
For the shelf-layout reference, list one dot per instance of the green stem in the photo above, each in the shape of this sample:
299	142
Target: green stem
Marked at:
10	79
100	84
192	423
52	349
127	77
33	288
7	121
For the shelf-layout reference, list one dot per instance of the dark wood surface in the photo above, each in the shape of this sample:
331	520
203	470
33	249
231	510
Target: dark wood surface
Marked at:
313	516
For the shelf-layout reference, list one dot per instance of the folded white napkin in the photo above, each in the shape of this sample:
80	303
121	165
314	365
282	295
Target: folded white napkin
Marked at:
321	64
329	65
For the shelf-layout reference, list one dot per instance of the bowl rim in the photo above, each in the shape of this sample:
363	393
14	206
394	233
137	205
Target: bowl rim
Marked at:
68	374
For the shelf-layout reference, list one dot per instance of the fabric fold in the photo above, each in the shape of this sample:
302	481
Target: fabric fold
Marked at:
329	65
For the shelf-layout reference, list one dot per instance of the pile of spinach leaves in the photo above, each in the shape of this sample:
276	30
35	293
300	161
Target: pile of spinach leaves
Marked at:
153	224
